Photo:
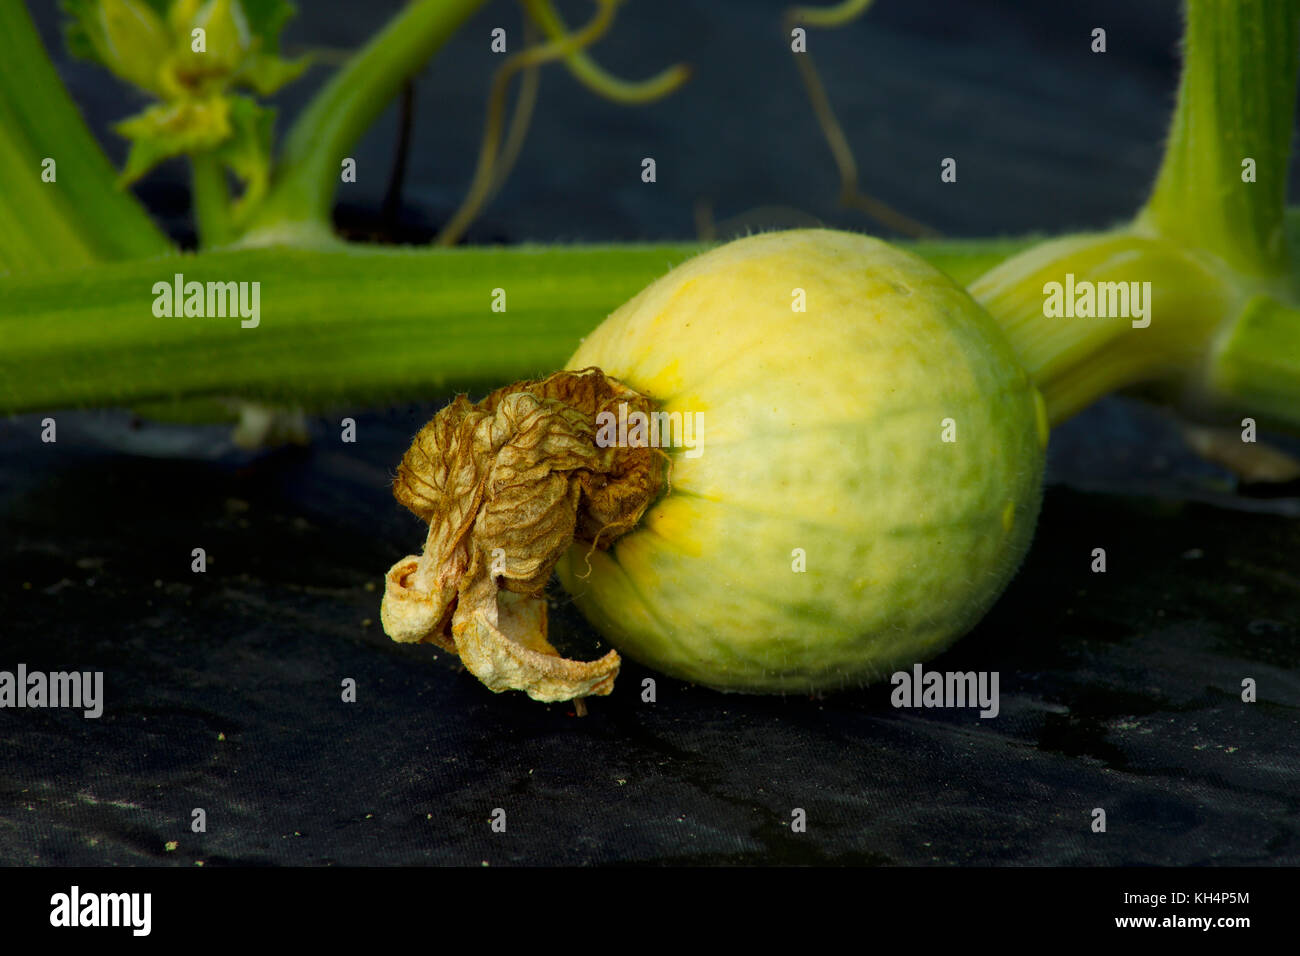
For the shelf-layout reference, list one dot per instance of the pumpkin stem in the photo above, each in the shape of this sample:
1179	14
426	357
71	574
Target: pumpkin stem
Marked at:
1090	314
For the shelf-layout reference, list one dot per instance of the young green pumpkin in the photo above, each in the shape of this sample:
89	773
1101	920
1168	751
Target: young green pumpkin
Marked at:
868	479
861	482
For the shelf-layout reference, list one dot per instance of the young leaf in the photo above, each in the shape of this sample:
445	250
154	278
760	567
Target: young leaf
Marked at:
266	18
247	153
170	129
266	73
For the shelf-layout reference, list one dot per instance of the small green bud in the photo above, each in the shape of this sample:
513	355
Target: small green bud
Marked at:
131	41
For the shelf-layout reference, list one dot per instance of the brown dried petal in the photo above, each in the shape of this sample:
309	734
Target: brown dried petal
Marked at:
410	615
503	643
505	486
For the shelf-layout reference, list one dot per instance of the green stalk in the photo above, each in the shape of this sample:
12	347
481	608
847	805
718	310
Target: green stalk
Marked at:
298	205
1236	101
1257	361
335	325
35	234
1074	360
83	216
1208	240
342	325
210	194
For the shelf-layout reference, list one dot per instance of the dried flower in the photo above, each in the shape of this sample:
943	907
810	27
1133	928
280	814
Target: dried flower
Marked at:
506	486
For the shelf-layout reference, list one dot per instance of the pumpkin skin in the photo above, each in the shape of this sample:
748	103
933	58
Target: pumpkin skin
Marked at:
822	430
